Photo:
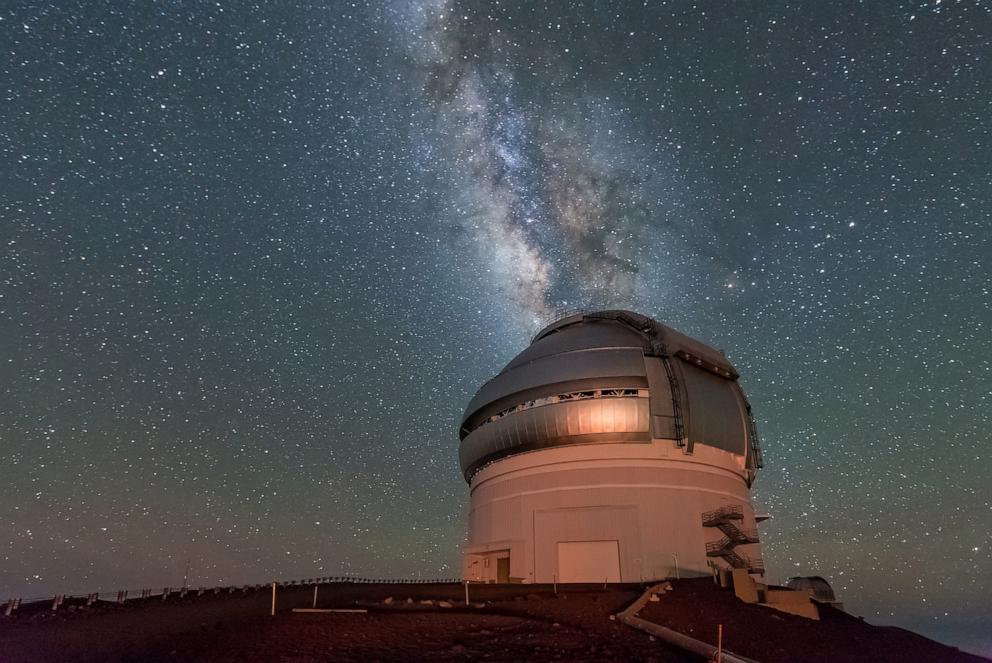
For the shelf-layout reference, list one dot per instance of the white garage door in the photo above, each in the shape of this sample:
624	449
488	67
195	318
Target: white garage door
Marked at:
588	561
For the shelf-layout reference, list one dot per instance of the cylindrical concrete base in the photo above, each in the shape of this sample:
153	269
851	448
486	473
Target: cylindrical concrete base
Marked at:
622	512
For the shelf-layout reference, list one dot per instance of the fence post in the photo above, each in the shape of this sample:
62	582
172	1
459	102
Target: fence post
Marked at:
273	599
165	593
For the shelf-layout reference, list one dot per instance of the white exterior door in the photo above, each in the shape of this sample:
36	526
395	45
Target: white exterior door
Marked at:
589	561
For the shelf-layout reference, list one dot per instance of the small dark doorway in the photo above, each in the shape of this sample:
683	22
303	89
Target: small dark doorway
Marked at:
503	570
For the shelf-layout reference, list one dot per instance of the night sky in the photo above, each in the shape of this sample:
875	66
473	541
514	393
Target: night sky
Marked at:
256	258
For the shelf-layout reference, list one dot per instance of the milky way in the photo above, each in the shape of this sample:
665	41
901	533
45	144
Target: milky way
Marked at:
555	192
256	258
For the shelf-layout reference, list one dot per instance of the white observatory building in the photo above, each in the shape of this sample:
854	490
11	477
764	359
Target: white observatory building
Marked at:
612	449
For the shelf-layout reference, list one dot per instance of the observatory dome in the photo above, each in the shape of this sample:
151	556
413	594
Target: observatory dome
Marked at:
817	585
608	375
615	449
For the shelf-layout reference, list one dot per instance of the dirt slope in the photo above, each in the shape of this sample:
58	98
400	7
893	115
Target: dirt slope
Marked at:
696	607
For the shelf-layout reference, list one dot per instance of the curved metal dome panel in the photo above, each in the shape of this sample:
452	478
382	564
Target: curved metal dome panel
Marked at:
606	334
716	415
654	335
572	370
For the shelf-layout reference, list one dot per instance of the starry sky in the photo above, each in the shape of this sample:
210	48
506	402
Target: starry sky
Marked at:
256	258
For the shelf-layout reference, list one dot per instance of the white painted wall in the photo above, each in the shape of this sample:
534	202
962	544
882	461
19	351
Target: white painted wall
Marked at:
649	498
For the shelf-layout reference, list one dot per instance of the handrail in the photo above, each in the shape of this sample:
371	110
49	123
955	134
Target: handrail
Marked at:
718	546
128	595
730	511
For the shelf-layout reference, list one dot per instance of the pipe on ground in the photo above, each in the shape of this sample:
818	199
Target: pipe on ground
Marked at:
680	640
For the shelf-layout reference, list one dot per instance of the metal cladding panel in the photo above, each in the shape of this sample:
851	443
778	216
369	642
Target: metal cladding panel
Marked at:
716	415
543	377
679	342
603	334
569	422
650	330
662	410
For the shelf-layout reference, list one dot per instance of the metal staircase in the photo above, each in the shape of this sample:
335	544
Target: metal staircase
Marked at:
725	519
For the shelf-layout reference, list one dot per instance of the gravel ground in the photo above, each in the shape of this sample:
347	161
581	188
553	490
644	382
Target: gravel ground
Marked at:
516	623
505	623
